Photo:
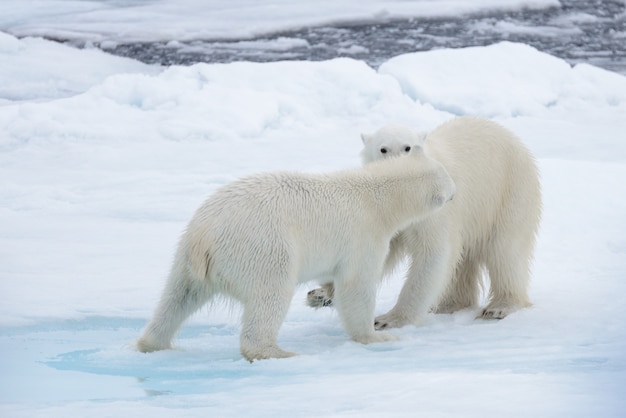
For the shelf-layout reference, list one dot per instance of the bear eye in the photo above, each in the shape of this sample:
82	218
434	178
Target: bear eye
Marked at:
383	150
407	148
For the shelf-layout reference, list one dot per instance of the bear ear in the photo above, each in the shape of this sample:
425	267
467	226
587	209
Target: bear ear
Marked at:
420	137
366	138
417	150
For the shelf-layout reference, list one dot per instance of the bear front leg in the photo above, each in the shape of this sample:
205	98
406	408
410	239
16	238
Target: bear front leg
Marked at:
263	315
426	280
355	302
323	296
463	289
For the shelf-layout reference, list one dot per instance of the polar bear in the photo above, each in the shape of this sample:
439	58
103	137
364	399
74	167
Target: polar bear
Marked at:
255	239
491	225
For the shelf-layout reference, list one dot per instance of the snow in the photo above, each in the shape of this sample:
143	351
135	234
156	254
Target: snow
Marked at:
103	160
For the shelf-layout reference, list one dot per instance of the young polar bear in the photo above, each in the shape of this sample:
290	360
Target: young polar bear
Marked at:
255	239
491	224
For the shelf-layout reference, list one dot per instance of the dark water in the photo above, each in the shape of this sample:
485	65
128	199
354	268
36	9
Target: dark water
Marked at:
578	31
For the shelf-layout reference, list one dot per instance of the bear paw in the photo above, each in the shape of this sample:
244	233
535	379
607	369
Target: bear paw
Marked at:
449	308
378	337
499	310
317	298
261	353
145	345
493	314
390	320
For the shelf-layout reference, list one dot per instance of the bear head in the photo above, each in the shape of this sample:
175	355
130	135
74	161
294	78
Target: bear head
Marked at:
391	141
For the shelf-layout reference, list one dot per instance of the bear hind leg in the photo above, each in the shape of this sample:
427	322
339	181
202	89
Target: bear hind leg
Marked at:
183	295
509	275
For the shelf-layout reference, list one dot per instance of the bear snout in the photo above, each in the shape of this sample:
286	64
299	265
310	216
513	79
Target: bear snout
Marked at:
447	193
441	198
452	192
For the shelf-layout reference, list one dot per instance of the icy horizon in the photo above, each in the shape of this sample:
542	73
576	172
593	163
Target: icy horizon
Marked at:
109	23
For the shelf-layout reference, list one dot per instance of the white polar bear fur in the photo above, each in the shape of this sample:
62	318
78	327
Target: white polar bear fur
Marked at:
490	225
255	239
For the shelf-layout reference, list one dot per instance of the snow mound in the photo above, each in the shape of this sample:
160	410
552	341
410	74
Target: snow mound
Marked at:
41	70
501	80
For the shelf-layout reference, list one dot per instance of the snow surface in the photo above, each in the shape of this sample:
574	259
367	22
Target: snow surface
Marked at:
103	160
